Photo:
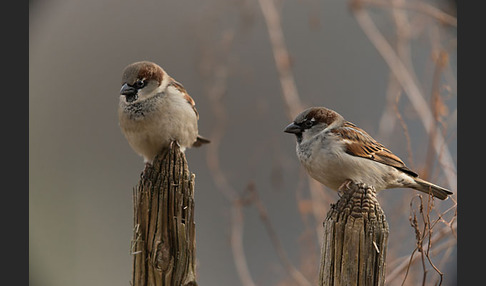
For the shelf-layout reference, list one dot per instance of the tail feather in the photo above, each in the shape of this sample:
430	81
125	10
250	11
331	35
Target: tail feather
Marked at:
427	187
200	141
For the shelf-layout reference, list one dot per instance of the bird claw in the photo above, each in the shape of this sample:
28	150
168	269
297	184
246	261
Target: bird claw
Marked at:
344	186
171	145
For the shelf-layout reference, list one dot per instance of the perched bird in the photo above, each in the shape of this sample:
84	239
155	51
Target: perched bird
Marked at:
155	110
335	151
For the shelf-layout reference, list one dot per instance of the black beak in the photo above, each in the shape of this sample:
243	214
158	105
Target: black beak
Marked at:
293	128
128	90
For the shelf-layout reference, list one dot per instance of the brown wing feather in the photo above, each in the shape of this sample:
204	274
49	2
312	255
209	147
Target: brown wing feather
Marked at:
359	143
189	99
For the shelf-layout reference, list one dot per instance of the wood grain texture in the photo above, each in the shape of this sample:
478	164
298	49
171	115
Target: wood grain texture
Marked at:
355	240
164	243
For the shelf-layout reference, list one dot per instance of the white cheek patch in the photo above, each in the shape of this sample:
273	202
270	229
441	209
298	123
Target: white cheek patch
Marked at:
148	92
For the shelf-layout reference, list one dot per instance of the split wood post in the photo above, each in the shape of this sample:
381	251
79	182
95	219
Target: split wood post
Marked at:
355	240
164	244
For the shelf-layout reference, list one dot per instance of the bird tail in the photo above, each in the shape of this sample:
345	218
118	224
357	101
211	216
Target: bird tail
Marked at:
429	188
200	141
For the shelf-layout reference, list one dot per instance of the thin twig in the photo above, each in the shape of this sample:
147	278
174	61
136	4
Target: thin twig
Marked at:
394	90
216	91
387	122
436	104
282	57
435	238
405	131
237	244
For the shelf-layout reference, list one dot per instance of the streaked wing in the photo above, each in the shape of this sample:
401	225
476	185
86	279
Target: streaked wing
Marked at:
359	143
186	96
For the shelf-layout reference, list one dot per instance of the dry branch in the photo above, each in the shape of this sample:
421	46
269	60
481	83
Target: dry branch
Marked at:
164	244
355	240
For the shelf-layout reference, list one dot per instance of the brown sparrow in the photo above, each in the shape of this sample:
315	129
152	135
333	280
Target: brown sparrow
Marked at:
155	110
335	151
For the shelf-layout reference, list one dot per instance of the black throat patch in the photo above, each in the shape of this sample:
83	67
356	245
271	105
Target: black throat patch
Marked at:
139	110
131	97
299	137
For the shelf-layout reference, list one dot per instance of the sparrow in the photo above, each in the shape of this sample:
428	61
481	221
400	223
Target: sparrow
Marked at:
335	151
155	110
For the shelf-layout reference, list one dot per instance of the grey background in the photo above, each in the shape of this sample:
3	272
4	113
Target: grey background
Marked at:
82	170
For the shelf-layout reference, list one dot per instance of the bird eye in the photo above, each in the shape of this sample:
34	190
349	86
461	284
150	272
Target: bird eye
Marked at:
308	124
139	83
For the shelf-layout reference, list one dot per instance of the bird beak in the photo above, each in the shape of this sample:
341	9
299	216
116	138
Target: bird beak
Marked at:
128	90
293	128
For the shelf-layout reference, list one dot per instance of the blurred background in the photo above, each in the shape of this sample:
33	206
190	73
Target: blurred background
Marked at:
250	65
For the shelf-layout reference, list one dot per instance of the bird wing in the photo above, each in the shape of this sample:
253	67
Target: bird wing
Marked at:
186	96
359	143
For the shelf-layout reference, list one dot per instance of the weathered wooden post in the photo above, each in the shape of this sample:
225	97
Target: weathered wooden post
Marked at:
355	240
164	244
